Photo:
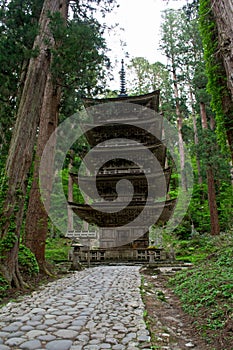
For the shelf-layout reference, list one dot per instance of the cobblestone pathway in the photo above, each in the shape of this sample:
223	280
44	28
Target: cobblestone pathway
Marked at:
98	308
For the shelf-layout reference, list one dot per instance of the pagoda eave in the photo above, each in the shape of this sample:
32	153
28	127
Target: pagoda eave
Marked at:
126	215
150	100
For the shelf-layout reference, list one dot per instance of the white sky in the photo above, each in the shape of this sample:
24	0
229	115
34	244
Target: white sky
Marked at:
141	20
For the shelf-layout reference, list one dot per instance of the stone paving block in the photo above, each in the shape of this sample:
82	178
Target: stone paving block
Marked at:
59	345
4	347
31	345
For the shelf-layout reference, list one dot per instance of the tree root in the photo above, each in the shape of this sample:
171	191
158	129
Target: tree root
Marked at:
45	270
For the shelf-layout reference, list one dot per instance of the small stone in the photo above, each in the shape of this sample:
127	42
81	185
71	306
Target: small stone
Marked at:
26	328
42	326
144	338
37	317
59	345
190	345
15	335
38	310
105	346
112	341
64	318
79	323
31	345
11	328
35	333
165	335
61	325
50	321
118	347
4	334
49	316
83	338
47	337
33	323
14	341
4	347
66	333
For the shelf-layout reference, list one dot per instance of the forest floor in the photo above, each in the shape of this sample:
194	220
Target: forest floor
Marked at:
170	327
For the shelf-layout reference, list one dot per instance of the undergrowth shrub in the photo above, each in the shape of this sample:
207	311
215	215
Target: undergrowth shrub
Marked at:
4	286
27	261
206	290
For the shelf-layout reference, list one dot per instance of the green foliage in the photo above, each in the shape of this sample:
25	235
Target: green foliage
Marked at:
78	65
8	242
207	289
18	28
27	261
57	249
216	86
4	287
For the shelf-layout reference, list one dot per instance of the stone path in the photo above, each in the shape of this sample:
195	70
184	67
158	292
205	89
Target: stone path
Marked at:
98	308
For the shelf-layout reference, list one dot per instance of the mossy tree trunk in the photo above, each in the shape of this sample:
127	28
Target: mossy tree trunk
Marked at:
214	221
223	15
23	140
36	228
179	122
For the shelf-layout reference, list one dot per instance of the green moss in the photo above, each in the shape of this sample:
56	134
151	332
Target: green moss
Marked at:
4	286
7	243
27	261
217	85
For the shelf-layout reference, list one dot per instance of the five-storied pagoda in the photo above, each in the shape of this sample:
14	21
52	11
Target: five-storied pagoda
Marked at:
120	134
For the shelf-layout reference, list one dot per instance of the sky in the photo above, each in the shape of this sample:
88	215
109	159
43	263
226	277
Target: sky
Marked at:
140	21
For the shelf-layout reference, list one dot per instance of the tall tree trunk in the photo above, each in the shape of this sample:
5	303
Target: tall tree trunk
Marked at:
223	13
180	136
23	140
196	140
215	229
36	228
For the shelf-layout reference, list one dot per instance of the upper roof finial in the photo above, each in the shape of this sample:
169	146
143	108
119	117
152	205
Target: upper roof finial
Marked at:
122	79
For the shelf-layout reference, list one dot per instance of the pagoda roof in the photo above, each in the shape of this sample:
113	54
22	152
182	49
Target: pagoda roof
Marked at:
150	100
126	215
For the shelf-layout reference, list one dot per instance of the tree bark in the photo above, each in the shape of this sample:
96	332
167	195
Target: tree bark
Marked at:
214	222
196	140
223	14
36	228
23	140
180	136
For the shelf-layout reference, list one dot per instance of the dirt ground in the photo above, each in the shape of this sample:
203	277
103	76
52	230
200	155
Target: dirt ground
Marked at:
170	327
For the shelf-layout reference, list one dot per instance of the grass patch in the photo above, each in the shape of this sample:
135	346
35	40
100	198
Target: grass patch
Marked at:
57	249
206	291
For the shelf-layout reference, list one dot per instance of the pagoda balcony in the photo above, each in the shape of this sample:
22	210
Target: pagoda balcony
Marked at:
118	154
106	184
147	131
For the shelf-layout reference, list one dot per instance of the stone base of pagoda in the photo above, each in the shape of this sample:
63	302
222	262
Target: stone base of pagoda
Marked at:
122	255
